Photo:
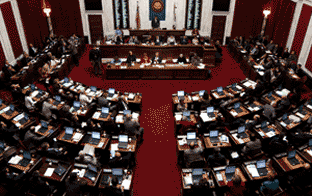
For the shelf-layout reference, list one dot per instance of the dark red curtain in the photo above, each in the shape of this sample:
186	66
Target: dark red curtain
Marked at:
309	61
301	28
11	27
2	57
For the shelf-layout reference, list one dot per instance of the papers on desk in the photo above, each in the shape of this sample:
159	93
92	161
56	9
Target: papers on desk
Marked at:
253	170
300	115
283	124
233	113
49	172
164	61
18	117
126	183
123	67
219	177
182	142
239	87
119	119
310	152
96	115
250	83
224	138
175	60
37	128
238	139
34	94
131	96
234	155
261	134
100	145
160	66
195	98
294	118
309	106
135	116
261	73
201	66
138	60
178	117
114	96
271	134
77	137
284	92
258	67
67	84
205	117
123	59
243	51
98	93
216	95
188	180
14	160
18	124
114	147
91	94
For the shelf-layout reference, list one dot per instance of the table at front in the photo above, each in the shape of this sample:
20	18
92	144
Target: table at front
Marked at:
207	53
155	32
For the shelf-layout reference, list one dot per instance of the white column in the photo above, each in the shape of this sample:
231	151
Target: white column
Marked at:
19	25
206	18
132	13
144	11
229	21
84	18
168	22
108	17
294	24
5	41
180	13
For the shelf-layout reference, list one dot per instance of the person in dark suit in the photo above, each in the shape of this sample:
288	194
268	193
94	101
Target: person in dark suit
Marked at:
17	93
132	127
74	53
11	180
195	32
8	132
255	52
195	60
155	23
253	146
158	40
184	40
285	53
283	105
39	186
8	70
241	40
278	144
182	59
218	46
202	187
73	186
193	154
116	189
157	58
31	139
270	46
268	77
47	151
64	49
292	56
49	39
95	58
269	112
264	41
119	161
217	159
103	102
298	138
131	58
247	46
72	120
32	50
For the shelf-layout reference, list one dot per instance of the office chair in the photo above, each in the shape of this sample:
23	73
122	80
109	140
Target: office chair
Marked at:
198	164
279	191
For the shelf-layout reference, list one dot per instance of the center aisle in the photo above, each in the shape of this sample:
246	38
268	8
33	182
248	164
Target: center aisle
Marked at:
156	171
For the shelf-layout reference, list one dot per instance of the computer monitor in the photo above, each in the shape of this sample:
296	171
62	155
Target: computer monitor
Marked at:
44	124
201	93
310	142
270	94
234	85
69	130
40	92
263	124
93	88
105	110
111	91
261	163
96	135
191	135
230	170
92	168
186	113
58	98
123	138
66	80
26	155
117	172
32	87
241	129
285	117
291	154
197	172
301	108
126	112
237	105
2	145
26	117
210	110
0	101
214	133
219	89
76	104
12	107
180	93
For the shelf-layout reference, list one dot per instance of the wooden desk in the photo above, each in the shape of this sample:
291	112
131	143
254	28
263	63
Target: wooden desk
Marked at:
30	121
192	120
264	135
254	109
241	114
159	32
221	170
269	167
187	99
107	174
105	94
208	143
101	119
245	140
103	139
131	146
216	113
284	164
87	180
9	117
186	147
208	176
301	116
46	133
288	127
267	100
305	154
54	176
60	137
136	100
218	97
2	106
60	105
29	168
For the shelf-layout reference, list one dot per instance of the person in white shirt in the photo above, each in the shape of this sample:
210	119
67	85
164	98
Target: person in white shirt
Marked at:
84	99
195	41
29	103
171	40
54	62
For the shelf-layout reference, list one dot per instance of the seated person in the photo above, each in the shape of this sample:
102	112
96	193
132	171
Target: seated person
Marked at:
202	187
195	32
17	93
283	105
131	58
73	186
118	36
182	59
195	41
298	138
54	62
11	180
84	99
158	40
148	40
132	127
91	126
270	185
145	59
252	123
118	39
31	139
87	159
119	161
278	144
47	108
217	159
184	40
26	60
32	50
205	102
193	154
195	60
115	60
72	119
236	187
255	52
8	132
181	106
157	58
116	189
134	40
64	49
39	186
292	56
253	146
270	46
47	151
171	40
8	70
29	103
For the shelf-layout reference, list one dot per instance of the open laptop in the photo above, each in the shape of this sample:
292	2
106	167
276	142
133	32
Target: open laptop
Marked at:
66	80
261	167
111	92
2	147
44	127
285	119
241	132
270	96
187	114
237	108
264	127
301	111
104	112
214	136
310	143
95	138
26	159
229	172
93	88
10	111
69	131
233	87
220	90
210	111
201	93
24	119
123	141
181	95
118	173
91	172
60	170
191	137
125	112
39	94
1	102
292	158
197	175
76	106
57	100
32	87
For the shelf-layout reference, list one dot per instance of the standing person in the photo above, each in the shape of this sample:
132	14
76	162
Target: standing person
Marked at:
95	58
155	23
74	52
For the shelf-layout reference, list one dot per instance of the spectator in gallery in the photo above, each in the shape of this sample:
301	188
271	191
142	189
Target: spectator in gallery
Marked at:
145	59
195	41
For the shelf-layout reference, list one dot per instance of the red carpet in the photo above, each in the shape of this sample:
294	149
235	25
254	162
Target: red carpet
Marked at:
157	172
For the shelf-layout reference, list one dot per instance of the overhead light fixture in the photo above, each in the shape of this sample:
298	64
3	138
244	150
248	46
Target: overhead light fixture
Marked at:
47	11
266	12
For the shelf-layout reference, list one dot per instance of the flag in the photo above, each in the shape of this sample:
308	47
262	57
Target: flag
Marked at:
137	19
174	17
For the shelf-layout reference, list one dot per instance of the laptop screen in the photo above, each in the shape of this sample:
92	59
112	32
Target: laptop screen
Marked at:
301	108
12	107
57	98
186	113
44	124
93	88
201	93
26	116
219	89
191	135
180	93
2	145
285	117
92	168
76	104
197	172
261	164
117	172
310	142
126	112
291	154
263	124
234	85
241	129
69	130
210	110
105	110
111	91
32	87
123	138
237	105
270	94
96	135
26	155
0	101
66	80
230	170
40	92
213	133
